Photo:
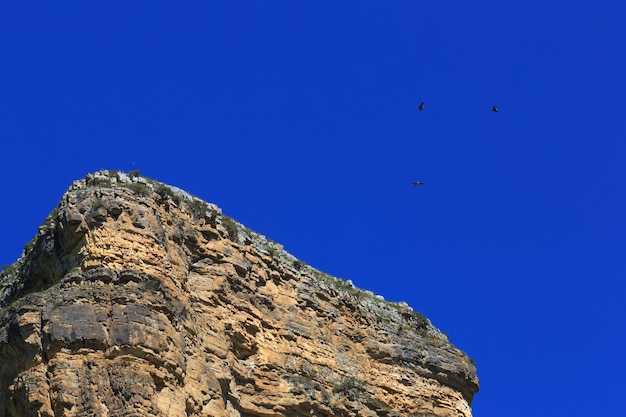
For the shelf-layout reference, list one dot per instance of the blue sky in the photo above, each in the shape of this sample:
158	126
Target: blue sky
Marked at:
300	120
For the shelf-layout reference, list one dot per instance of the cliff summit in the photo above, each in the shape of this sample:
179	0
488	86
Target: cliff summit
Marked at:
138	299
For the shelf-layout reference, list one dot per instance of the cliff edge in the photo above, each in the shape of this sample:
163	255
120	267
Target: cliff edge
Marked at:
136	298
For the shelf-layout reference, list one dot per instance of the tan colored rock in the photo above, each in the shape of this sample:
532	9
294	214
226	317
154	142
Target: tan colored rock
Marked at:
137	299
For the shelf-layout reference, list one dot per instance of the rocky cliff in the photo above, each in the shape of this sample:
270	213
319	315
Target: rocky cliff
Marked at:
138	299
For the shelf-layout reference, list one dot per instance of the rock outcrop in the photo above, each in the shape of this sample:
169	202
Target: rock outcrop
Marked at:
138	299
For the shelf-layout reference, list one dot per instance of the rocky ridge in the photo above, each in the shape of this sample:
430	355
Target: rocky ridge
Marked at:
136	298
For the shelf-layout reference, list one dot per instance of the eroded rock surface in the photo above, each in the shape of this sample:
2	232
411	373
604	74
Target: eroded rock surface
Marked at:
139	299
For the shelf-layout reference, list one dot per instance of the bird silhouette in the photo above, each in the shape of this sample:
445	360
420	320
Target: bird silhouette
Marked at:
421	106
416	183
494	109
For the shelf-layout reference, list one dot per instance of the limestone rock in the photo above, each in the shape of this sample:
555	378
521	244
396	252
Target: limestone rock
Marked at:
138	299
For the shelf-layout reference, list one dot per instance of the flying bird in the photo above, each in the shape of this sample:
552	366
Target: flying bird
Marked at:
494	109
416	183
421	106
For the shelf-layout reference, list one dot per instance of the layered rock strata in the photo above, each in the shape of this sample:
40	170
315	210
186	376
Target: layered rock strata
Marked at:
137	299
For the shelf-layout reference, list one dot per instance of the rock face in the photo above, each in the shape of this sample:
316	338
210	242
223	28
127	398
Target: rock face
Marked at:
137	299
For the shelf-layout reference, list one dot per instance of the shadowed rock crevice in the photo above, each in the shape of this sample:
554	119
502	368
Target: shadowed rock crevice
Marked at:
137	298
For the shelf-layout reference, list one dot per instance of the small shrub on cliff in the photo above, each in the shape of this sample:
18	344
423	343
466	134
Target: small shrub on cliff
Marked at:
30	245
134	173
373	402
351	387
139	188
298	264
198	208
16	305
231	228
348	384
166	192
97	203
418	321
212	217
154	284
8	269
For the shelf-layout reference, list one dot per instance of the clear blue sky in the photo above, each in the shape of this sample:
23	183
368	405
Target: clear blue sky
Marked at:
300	120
